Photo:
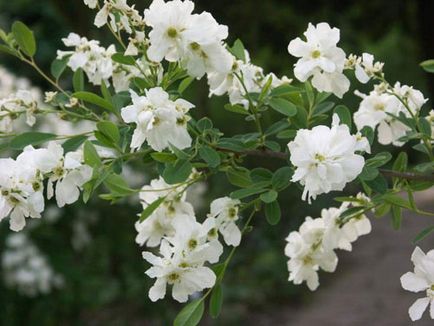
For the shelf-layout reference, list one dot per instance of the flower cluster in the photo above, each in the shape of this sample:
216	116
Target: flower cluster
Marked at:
421	279
313	246
195	40
26	268
364	66
121	15
321	59
22	181
159	121
325	158
243	78
12	107
382	108
185	245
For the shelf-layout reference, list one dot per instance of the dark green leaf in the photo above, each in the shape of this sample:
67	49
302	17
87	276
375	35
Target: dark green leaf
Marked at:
323	108
210	156
269	196
379	160
78	80
236	109
424	233
344	115
123	59
282	178
178	172
164	157
272	213
247	192
287	134
283	106
94	99
30	138
73	143
379	184
110	130
239	177
204	124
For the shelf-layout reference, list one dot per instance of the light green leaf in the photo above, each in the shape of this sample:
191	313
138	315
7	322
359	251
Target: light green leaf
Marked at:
191	314
344	115
269	196
95	99
216	301
25	38
90	154
428	65
151	208
178	172
210	156
78	80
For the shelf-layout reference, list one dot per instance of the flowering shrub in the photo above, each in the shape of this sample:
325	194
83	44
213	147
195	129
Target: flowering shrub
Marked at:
129	99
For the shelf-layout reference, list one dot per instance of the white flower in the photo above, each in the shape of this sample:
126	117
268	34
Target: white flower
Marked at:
159	121
138	39
91	3
365	68
173	268
90	56
224	214
122	16
23	101
312	247
421	279
205	51
68	172
321	58
169	21
379	108
20	192
160	223
325	159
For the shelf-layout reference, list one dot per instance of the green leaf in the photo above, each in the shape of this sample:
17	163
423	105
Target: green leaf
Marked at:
78	80
58	66
247	192
216	301
236	109
210	156
25	38
273	213
8	50
73	143
95	99
151	208
123	59
90	154
428	65
282	178
118	186
164	157
238	50
309	93
184	84
287	134
397	201
423	234
30	138
283	106
382	209
191	314
261	175
379	184
401	162
368	173
425	127
379	160
352	212
239	177
344	115
396	217
368	132
284	90
178	172
269	196
323	108
109	130
204	124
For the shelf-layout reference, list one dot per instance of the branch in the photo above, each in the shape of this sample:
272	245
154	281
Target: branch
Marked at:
407	175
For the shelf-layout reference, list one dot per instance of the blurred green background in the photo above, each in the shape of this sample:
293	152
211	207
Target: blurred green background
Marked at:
105	282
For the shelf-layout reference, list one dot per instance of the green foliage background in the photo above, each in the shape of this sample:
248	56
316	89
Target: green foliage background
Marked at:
105	283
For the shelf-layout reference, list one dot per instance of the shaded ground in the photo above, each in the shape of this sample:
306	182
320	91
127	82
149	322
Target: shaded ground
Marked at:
365	290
